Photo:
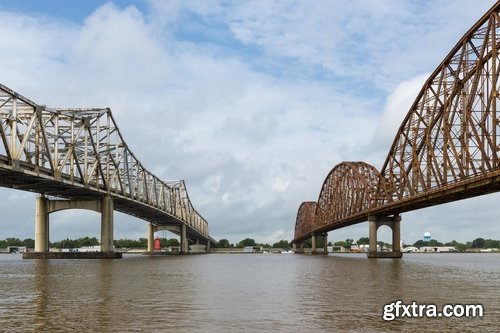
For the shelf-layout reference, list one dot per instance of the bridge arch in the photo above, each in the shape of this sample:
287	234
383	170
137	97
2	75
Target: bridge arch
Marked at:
446	149
305	218
60	205
451	134
347	190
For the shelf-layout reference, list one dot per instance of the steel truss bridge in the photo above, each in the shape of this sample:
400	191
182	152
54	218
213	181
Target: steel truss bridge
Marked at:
77	158
446	149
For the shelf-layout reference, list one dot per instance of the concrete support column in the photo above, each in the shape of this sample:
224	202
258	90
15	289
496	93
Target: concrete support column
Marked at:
396	234
392	222
41	225
372	224
325	243
151	235
294	247
208	245
313	244
301	247
107	224
184	241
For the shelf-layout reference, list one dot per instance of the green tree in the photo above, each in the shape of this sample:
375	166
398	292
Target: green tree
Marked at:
13	241
29	243
432	242
87	241
490	243
173	242
143	242
129	243
283	244
348	242
478	243
247	242
223	243
364	241
163	242
457	245
383	244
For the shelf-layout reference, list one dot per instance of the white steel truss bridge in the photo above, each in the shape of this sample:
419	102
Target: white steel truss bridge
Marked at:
77	158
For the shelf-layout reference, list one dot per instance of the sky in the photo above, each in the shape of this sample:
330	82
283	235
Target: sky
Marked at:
252	103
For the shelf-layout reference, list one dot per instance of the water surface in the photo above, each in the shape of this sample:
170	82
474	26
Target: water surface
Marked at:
244	293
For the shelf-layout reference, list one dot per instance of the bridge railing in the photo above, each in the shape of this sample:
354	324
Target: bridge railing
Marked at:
85	147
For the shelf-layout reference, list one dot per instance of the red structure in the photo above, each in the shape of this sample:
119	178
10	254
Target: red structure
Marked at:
157	246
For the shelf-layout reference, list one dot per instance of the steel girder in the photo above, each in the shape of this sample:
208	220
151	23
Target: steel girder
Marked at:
305	218
78	153
451	133
447	147
347	190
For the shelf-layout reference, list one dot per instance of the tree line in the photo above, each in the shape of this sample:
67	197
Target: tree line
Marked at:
224	243
86	241
478	243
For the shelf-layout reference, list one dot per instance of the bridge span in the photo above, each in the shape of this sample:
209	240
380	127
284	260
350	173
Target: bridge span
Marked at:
77	159
446	149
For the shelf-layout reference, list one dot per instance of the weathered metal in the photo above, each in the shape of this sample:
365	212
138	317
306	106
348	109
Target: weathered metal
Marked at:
446	149
348	189
305	218
81	154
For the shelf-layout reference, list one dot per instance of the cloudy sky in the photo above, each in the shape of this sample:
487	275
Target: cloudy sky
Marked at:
252	103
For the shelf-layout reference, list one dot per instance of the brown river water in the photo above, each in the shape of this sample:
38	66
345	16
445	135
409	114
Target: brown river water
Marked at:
245	293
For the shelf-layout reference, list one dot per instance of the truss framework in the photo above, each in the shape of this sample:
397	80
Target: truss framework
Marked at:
347	190
451	132
305	218
84	147
446	149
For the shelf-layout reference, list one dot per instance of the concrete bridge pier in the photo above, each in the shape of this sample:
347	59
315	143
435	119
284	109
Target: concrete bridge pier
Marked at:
184	240
177	229
151	237
298	247
392	222
107	208
313	244
43	208
41	225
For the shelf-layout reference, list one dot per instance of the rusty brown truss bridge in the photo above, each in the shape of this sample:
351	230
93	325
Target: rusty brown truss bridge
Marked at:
446	149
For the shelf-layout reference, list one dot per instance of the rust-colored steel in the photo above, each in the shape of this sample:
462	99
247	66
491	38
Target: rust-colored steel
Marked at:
347	190
305	218
451	133
447	147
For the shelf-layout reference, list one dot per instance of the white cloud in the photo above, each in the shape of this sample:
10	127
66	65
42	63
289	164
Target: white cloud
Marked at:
251	103
396	108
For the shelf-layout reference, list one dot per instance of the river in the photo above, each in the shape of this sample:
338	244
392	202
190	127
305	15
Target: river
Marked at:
245	293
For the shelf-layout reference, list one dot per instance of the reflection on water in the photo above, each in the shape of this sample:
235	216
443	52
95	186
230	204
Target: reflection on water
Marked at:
250	293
